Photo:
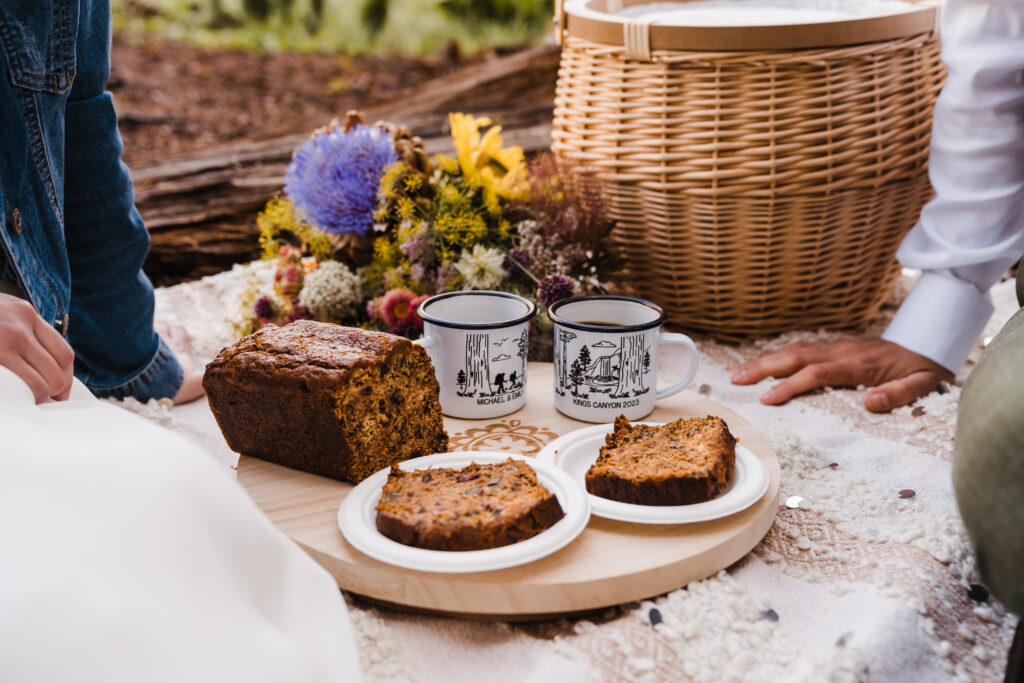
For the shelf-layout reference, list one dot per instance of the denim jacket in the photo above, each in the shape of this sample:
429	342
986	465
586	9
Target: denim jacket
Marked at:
70	236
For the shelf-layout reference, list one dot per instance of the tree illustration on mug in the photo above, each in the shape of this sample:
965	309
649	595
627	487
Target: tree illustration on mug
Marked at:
631	366
561	360
576	376
524	350
585	361
478	370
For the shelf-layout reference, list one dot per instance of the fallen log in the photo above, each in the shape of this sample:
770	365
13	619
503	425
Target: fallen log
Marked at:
201	210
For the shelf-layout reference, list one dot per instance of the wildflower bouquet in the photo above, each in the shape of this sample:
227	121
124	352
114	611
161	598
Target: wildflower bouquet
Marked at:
370	226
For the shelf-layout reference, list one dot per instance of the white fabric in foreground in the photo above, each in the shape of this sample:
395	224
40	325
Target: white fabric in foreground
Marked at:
126	554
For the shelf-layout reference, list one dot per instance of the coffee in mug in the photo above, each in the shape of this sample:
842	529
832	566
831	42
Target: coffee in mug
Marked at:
606	357
478	342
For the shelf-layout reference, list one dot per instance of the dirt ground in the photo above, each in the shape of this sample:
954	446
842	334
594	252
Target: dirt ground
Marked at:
174	99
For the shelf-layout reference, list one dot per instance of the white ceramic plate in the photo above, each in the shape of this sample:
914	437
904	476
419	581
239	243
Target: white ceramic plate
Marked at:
357	519
575	452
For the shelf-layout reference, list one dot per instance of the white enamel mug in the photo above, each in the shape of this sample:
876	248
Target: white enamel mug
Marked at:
606	357
478	342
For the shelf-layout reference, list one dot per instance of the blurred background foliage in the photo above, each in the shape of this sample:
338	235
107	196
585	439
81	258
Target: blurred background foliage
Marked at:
353	26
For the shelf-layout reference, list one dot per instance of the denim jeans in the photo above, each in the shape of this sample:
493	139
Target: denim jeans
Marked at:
70	236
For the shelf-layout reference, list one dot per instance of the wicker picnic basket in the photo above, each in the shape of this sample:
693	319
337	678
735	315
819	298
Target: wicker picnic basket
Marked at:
761	177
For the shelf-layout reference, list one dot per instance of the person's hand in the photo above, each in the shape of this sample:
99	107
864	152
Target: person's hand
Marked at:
177	340
898	376
34	350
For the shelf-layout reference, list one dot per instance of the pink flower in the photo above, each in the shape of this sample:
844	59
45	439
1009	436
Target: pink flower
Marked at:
288	280
414	305
396	307
373	308
288	253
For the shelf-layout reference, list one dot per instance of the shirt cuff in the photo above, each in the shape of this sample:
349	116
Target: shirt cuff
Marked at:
160	378
941	319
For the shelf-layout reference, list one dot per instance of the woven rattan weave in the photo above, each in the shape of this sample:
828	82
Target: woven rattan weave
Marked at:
756	192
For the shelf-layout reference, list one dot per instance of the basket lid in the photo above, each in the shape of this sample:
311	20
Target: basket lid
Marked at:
642	26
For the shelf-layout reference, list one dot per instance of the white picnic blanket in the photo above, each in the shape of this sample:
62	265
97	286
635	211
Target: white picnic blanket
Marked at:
857	583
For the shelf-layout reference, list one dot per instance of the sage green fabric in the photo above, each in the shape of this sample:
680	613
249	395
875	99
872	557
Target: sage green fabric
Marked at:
988	466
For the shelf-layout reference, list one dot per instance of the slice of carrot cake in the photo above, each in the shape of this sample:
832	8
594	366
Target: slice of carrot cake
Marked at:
473	508
690	460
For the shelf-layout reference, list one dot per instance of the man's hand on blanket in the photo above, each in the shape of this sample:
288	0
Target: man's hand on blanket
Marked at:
34	350
178	340
898	376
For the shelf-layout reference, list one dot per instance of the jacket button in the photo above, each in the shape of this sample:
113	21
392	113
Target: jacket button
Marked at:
16	219
62	326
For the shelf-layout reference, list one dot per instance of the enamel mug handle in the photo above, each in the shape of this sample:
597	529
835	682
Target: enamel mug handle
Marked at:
427	342
680	340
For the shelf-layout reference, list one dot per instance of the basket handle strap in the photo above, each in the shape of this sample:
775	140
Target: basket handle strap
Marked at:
636	38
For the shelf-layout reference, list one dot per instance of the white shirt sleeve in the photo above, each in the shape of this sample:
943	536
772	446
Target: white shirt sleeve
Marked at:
973	229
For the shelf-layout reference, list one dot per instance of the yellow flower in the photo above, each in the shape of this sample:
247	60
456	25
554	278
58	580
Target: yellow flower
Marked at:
446	164
406	207
504	229
279	216
386	251
315	241
500	172
462	228
395	277
450	195
389	181
492	204
413	182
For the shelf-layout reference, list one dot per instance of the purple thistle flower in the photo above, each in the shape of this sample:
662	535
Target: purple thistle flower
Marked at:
264	308
334	176
515	256
555	288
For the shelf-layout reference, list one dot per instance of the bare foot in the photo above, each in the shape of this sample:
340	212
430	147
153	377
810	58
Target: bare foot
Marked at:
178	340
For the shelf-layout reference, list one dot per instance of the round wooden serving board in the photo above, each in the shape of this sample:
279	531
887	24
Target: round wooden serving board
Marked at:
608	564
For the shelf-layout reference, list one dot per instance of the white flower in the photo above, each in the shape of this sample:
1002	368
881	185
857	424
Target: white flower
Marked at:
481	268
331	292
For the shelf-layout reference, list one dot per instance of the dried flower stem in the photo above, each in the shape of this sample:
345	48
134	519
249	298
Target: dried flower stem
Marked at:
521	267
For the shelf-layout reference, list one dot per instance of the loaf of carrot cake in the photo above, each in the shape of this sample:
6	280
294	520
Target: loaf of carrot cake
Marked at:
336	401
690	460
473	508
